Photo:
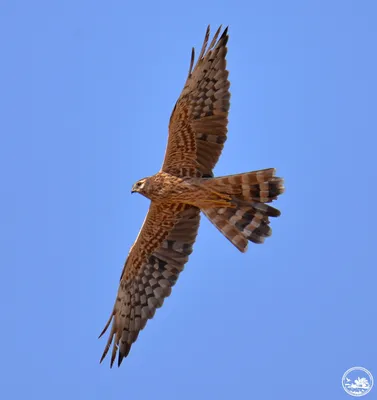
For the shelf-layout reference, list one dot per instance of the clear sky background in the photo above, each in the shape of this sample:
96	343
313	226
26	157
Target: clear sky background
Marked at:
86	91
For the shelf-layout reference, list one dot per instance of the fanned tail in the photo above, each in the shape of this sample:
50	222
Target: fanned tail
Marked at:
248	218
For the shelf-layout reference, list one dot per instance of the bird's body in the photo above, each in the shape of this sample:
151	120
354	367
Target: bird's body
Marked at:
164	188
184	187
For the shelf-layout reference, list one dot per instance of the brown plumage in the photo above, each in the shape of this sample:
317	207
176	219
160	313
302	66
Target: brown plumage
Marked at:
235	204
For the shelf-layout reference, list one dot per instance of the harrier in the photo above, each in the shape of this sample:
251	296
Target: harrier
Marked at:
185	186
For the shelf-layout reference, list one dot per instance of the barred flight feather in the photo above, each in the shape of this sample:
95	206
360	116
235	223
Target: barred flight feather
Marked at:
248	219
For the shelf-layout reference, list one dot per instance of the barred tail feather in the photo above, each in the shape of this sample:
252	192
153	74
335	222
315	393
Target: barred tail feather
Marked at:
248	217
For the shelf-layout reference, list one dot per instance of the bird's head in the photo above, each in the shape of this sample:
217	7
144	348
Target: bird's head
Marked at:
141	187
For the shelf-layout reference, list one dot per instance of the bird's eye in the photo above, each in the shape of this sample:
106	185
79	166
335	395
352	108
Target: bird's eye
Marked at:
138	184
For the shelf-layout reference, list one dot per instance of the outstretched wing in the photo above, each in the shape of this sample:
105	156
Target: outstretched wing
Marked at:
151	269
198	124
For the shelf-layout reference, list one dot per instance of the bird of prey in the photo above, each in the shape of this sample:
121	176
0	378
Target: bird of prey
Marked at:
184	187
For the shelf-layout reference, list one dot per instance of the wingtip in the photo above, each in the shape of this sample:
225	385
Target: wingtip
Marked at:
103	355
112	361
114	353
192	61
224	35
214	39
120	359
107	325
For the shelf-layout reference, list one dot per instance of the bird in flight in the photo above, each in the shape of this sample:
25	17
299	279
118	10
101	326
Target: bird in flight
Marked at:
184	187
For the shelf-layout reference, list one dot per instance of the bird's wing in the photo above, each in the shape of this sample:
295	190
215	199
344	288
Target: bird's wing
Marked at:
152	267
198	124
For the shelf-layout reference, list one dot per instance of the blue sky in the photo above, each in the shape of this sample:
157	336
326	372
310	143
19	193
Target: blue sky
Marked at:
87	91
